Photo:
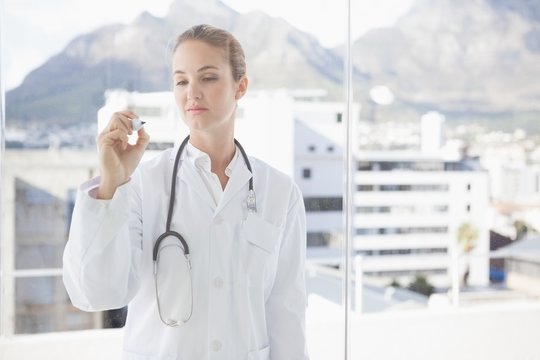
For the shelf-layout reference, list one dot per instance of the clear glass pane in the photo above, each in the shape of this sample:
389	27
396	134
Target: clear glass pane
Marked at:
65	75
42	305
445	177
41	218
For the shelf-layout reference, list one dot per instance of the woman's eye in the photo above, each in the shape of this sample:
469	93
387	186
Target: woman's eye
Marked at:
181	83
210	78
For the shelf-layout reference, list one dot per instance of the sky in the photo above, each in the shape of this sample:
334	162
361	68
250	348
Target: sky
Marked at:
34	30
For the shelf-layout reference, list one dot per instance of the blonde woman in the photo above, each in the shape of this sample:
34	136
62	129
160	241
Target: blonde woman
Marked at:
204	244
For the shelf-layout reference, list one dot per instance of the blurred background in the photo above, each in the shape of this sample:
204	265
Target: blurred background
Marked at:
422	228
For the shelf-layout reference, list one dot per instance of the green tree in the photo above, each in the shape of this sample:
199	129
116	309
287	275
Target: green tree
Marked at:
421	285
522	228
467	237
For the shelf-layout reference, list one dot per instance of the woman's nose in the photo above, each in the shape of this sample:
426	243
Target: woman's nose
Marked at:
194	92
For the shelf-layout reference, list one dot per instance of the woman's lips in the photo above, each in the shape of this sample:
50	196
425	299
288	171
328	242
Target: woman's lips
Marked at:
196	110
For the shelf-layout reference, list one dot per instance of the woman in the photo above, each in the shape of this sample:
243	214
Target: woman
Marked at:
231	284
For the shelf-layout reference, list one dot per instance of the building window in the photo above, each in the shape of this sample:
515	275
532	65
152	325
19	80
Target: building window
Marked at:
402	187
311	148
330	148
411	251
324	204
468	187
318	239
364	166
306	173
339	117
468	207
402	230
401	209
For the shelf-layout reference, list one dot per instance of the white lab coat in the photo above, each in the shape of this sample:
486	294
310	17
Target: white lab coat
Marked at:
248	271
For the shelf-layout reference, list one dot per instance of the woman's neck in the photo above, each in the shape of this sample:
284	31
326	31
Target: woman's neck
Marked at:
220	148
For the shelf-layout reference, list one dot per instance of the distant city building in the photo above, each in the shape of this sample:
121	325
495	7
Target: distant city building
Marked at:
515	180
408	209
522	265
432	131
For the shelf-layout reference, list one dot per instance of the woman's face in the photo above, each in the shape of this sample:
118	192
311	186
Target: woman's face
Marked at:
204	89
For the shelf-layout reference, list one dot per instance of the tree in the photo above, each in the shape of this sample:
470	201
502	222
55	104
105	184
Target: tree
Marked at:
467	236
421	285
522	228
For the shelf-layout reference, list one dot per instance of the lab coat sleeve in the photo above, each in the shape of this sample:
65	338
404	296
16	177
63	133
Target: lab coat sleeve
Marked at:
286	304
102	256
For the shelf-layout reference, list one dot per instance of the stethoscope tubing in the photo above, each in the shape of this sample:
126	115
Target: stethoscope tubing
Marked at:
252	207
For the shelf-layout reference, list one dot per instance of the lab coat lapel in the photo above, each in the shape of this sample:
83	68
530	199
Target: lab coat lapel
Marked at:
237	182
189	175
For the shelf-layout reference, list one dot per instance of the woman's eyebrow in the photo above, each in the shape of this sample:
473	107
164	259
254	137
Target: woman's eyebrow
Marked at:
204	68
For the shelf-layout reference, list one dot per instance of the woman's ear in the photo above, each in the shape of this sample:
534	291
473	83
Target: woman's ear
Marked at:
241	88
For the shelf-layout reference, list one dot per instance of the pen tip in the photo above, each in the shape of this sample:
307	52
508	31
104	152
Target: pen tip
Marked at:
143	122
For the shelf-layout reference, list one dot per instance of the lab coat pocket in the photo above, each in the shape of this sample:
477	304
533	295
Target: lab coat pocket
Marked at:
258	249
263	354
260	233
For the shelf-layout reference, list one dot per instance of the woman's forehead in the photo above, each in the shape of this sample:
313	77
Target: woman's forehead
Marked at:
193	55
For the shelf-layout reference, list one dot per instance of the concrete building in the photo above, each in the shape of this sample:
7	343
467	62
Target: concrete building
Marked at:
408	209
318	156
38	197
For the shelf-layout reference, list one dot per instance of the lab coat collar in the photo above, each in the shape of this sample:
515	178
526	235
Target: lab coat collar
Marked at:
202	161
188	173
237	182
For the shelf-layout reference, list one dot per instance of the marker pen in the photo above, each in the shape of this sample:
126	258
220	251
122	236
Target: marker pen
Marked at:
137	124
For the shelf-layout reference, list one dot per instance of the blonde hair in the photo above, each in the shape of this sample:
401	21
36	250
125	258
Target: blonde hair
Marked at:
220	39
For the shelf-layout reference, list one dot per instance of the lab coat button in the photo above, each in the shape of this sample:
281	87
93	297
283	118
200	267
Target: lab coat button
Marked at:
216	345
218	220
218	282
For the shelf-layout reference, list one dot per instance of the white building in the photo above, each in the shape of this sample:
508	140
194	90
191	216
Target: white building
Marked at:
515	178
318	155
408	209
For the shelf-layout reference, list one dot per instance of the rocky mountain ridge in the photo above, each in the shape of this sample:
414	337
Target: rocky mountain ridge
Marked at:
461	57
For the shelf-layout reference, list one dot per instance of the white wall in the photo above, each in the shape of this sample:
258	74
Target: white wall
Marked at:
495	333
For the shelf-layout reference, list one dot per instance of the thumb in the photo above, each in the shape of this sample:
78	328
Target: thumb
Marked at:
142	139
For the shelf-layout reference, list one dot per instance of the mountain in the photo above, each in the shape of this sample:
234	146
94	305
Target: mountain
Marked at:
69	87
469	59
459	56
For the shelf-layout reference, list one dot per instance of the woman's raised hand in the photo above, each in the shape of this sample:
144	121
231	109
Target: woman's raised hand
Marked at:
117	158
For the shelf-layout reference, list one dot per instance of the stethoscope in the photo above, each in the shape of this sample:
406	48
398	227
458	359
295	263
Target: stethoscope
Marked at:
251	205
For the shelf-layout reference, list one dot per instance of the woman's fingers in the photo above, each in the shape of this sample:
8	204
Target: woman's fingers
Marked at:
114	137
122	119
143	139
